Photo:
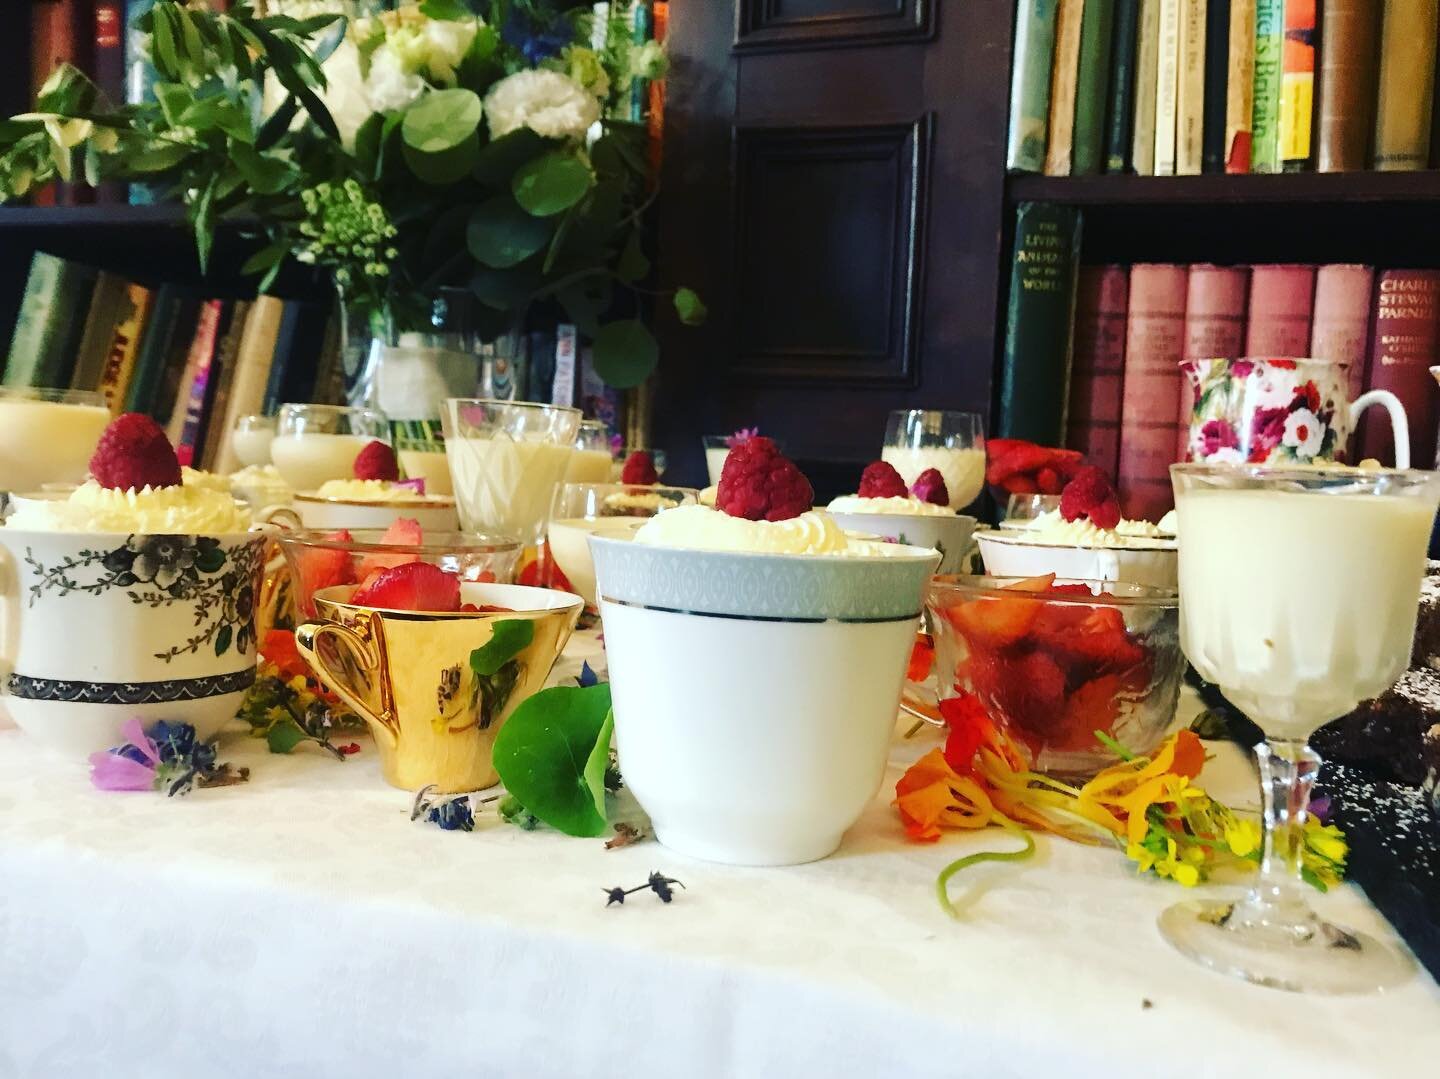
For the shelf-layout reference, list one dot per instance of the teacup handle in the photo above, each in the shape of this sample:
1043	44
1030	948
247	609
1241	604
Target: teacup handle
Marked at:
365	647
282	517
1399	423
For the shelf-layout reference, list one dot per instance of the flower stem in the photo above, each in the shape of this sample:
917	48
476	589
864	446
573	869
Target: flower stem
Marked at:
942	890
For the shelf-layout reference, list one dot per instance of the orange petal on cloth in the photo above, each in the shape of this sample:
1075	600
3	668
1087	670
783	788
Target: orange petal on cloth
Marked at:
932	794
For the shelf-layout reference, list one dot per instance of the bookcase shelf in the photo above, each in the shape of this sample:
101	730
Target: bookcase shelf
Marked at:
1310	188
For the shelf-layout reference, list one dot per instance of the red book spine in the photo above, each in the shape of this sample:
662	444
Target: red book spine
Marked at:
1154	346
1407	343
1097	369
1341	330
109	73
1214	327
1281	300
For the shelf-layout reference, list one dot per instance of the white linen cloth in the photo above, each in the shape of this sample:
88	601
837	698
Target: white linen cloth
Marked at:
301	925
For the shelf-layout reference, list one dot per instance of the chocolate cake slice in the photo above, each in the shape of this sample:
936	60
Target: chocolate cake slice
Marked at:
1385	736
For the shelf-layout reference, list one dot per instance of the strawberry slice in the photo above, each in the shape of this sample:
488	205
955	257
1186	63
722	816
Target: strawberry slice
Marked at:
414	586
404	532
322	567
1094	706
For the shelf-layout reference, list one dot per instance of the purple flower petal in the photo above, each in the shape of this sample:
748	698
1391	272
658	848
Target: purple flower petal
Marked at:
135	735
417	484
1320	809
111	772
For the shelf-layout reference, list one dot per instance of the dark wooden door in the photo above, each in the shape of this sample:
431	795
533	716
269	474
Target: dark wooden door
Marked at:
833	187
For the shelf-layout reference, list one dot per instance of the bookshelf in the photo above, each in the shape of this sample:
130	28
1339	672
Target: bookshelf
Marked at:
1299	188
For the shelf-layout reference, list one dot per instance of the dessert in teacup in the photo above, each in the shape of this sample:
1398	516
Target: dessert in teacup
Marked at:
261	486
756	657
1087	537
374	497
918	515
133	596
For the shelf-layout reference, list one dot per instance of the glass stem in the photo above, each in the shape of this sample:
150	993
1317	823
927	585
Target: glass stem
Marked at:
1287	774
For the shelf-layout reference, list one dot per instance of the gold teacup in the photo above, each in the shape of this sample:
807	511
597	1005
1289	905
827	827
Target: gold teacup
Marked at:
436	688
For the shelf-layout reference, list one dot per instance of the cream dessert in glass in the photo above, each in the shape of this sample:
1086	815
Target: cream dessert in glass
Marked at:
592	460
315	443
430	465
47	436
953	443
1298	597
251	440
506	460
610	509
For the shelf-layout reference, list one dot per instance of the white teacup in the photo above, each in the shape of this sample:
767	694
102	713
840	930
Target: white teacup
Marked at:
96	629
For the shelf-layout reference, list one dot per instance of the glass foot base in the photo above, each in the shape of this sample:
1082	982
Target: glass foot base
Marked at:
1316	958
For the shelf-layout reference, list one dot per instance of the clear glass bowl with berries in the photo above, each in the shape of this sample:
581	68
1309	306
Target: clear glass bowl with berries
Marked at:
1076	670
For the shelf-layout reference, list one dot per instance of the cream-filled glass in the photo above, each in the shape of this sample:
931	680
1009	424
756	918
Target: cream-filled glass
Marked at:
506	460
592	460
315	443
603	509
48	436
1298	596
951	442
251	440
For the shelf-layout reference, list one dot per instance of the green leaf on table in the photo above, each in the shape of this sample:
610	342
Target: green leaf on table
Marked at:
284	735
552	753
509	637
690	307
551	184
625	353
500	234
442	120
447	166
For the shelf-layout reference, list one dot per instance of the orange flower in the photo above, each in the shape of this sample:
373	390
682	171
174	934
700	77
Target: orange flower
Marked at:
922	659
1130	788
279	649
932	794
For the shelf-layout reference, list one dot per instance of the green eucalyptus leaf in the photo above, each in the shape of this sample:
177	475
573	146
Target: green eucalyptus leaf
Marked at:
633	264
551	184
500	234
625	353
447	166
503	290
442	120
585	301
551	756
509	637
500	159
690	307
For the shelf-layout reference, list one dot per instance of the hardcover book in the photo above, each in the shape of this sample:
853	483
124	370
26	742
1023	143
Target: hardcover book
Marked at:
1060	140
1147	62
120	357
1341	329
1214	327
188	415
1098	369
223	373
1091	87
1407	84
1122	86
1217	84
1407	343
1150	404
253	358
1297	85
1030	85
1281	301
1240	86
1166	87
1265	116
108	298
1349	37
1035	371
1190	90
49	325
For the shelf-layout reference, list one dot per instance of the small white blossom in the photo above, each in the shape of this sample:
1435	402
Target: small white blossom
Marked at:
390	86
547	102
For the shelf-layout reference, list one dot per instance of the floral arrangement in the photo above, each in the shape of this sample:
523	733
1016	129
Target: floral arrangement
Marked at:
409	153
168	757
1148	806
289	707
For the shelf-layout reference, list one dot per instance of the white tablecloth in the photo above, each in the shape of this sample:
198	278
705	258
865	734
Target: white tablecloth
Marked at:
301	925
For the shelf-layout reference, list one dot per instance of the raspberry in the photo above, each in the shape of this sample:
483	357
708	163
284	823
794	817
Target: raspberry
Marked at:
760	484
930	487
1090	495
134	453
880	480
415	586
639	469
376	461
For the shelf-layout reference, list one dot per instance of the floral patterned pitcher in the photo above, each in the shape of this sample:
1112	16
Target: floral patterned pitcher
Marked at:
1277	412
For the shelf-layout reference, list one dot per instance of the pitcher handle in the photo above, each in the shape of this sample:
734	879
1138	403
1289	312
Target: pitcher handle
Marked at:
364	646
1399	423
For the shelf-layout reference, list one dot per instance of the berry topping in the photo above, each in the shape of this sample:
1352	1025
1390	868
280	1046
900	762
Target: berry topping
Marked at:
1019	467
322	567
376	462
1090	495
415	586
880	480
134	453
930	487
639	468
760	484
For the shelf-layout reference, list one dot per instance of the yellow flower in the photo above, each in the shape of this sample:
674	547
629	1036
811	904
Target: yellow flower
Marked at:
1327	841
1143	859
1243	838
1187	875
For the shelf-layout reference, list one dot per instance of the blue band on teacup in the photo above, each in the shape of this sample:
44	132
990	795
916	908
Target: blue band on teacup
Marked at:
166	692
761	617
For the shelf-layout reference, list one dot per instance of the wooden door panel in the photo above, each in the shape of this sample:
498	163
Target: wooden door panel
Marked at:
811	23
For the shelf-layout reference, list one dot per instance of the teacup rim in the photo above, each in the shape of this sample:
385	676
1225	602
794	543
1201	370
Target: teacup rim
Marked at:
487	542
439	616
253	533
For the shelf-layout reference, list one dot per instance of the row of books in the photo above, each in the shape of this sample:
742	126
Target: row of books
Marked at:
1180	87
193	362
1130	406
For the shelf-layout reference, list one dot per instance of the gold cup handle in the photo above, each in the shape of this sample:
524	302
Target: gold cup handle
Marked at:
365	648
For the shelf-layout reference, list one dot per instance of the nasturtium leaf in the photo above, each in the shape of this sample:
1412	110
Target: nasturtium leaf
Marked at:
551	184
509	637
690	307
500	234
442	120
447	166
284	735
625	353
552	753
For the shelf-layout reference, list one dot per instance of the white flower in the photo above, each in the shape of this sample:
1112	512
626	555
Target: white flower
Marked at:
547	102
447	42
344	93
390	86
1304	431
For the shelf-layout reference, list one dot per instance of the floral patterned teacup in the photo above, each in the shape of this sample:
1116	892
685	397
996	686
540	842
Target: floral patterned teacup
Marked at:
101	628
1279	412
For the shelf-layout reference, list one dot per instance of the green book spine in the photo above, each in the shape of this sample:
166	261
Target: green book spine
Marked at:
1096	36
1265	115
1035	374
156	347
1030	85
50	323
1122	86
